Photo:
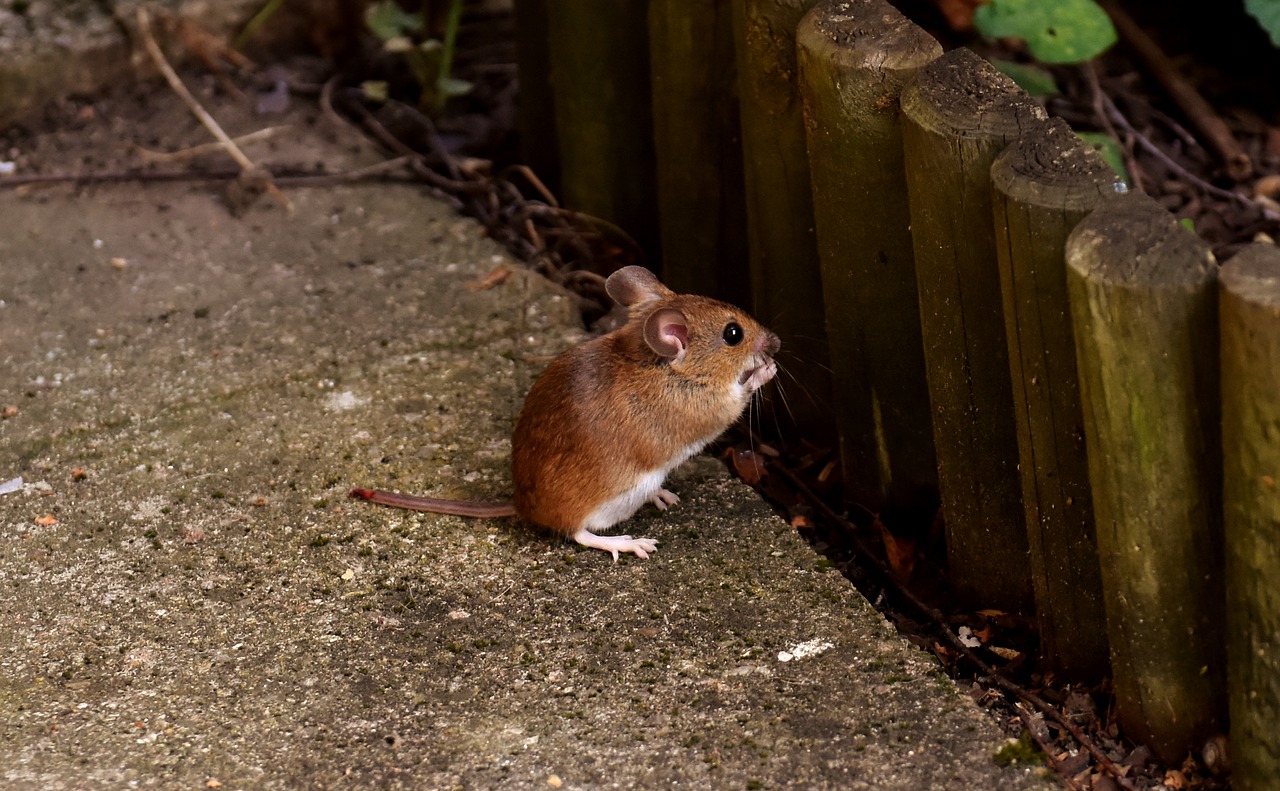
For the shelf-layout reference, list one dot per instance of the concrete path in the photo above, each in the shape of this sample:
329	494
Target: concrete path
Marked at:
187	600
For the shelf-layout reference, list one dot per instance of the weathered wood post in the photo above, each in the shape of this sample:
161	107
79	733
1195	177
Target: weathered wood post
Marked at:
1144	304
604	115
538	147
1044	184
701	211
957	116
786	284
1250	316
854	57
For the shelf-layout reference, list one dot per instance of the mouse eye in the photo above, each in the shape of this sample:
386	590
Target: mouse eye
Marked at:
733	333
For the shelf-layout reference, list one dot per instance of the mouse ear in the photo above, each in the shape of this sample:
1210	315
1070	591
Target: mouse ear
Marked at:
633	285
667	333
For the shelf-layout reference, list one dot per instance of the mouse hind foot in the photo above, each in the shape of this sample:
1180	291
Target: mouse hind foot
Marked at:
641	547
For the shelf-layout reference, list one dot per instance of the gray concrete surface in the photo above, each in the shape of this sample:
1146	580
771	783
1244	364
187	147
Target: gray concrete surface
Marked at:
187	600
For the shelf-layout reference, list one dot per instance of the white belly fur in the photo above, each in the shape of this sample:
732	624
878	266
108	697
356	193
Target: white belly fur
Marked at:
621	507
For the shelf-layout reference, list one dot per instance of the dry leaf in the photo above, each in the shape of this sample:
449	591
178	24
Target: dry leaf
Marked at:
78	474
826	471
9	410
900	552
46	520
495	278
801	522
748	466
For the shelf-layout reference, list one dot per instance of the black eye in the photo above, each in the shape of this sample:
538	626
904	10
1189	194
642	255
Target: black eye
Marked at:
733	333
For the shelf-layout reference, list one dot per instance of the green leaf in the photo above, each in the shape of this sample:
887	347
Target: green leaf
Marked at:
1109	150
375	90
1267	12
452	86
388	20
1032	79
1188	223
1056	31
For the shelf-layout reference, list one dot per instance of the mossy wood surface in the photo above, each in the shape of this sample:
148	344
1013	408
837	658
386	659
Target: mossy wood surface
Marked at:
1044	184
957	115
604	117
701	211
1144	306
786	284
854	57
1250	326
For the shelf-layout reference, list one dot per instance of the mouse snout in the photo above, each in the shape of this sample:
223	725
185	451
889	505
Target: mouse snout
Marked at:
768	344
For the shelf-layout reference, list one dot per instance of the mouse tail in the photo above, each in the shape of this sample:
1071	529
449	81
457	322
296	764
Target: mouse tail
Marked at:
435	505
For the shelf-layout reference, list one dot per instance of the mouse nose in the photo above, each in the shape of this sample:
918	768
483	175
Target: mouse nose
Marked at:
770	343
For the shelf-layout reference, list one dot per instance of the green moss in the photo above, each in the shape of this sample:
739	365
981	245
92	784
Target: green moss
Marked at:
1019	751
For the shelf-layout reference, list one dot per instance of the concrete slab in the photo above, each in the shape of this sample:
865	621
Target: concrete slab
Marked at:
188	600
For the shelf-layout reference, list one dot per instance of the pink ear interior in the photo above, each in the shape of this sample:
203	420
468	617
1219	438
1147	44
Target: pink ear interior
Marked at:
667	333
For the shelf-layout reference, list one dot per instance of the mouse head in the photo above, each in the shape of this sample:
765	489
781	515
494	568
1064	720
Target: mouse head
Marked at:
697	334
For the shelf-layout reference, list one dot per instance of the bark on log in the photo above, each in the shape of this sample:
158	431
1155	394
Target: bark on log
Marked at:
1250	325
854	57
604	113
698	141
1144	307
1043	185
957	116
786	284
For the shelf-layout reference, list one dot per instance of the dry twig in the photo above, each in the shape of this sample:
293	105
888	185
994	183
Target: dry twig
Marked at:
1199	112
204	148
175	82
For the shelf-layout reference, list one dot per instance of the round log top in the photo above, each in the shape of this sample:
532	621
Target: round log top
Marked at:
1253	275
867	33
1048	166
962	95
1130	238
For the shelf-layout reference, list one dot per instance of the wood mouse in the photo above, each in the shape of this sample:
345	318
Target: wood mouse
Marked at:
608	419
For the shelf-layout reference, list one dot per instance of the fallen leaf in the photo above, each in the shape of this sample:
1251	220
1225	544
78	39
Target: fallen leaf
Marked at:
801	522
958	13
1007	654
826	471
495	278
900	552
10	410
748	466
78	474
46	520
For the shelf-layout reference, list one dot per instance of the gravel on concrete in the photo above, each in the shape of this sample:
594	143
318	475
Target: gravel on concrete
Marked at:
187	599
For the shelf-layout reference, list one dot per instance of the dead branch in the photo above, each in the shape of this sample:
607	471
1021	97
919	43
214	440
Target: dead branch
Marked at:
175	82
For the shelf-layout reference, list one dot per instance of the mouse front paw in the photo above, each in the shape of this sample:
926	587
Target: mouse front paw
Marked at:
640	547
663	498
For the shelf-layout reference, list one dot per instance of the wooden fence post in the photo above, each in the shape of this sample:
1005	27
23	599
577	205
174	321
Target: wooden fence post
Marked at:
1044	184
701	211
1144	304
604	117
957	115
786	283
538	147
1250	315
854	56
